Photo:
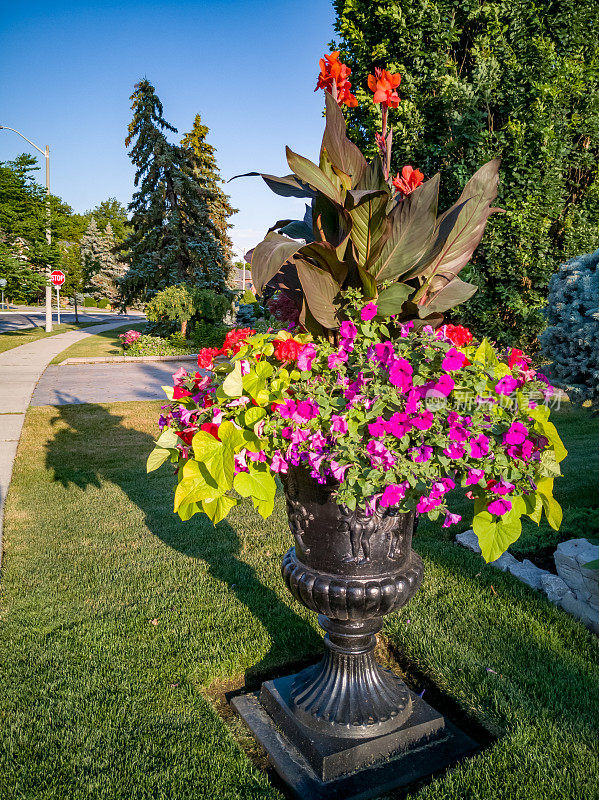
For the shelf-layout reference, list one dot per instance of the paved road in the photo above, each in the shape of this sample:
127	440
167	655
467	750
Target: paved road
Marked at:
105	383
21	320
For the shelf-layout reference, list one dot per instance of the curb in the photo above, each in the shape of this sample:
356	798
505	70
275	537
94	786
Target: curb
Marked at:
126	359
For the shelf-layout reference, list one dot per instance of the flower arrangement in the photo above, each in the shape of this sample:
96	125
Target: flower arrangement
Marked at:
374	396
128	338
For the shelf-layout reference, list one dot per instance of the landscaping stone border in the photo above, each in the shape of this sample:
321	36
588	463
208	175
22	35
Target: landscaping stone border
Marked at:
575	588
125	359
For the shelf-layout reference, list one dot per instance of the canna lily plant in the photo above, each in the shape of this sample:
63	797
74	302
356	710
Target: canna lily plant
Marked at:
364	229
370	393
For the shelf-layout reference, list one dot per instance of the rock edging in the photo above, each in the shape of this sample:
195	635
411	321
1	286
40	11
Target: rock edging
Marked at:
575	588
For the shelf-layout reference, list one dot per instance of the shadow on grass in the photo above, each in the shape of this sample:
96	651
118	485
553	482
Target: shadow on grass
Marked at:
96	447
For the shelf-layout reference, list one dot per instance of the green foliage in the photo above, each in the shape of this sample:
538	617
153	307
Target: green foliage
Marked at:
173	238
206	334
111	212
202	158
89	302
103	270
184	303
571	341
148	345
518	81
23	284
363	235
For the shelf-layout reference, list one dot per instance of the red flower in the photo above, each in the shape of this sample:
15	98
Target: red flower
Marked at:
457	334
333	75
234	339
206	356
211	428
287	349
384	84
517	359
409	179
186	436
179	393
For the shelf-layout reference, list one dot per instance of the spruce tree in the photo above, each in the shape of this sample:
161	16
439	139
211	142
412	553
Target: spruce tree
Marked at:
173	239
102	267
205	169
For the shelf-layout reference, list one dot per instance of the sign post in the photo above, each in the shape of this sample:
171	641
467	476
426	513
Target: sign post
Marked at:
58	278
2	285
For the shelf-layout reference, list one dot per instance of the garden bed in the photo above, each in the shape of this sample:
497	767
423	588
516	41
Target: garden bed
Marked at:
120	623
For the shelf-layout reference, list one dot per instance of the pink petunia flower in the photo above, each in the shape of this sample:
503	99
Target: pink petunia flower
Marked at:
516	434
306	357
423	421
427	504
377	428
338	471
278	463
451	519
399	424
337	359
380	456
455	450
458	433
421	454
474	476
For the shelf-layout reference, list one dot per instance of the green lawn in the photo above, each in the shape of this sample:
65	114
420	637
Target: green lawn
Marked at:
101	344
120	623
15	338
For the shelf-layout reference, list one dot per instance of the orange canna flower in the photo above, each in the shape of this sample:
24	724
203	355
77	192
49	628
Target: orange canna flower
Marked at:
384	84
409	179
333	79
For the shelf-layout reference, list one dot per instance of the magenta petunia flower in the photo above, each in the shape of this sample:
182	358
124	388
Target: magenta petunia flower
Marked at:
451	519
506	385
413	401
369	312
474	476
444	385
501	487
455	450
404	330
278	463
383	352
458	433
337	359
499	507
399	424
394	494
380	456
423	421
338	424
338	471
479	447
421	454
516	434
453	360
400	374
427	504
377	428
306	357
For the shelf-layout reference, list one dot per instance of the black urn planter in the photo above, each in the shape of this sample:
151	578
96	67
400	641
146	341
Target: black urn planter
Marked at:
346	727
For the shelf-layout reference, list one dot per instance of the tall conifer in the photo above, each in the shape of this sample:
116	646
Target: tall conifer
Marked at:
203	160
173	239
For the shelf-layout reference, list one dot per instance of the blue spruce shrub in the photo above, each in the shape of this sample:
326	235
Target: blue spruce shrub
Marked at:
572	339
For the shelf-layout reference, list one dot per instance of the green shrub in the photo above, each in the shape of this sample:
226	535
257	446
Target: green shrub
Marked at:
205	335
480	80
182	303
103	303
148	345
89	302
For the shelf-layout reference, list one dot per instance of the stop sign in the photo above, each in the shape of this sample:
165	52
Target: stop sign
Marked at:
57	277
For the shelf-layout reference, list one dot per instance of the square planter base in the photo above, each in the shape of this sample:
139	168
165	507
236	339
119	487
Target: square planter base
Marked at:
320	767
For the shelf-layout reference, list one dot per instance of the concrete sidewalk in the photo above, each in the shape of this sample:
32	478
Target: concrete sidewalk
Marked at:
20	370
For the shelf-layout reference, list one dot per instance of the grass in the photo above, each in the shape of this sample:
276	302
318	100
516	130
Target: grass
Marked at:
16	338
119	623
99	345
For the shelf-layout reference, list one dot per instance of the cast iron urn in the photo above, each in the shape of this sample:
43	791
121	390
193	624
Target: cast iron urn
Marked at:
346	727
352	569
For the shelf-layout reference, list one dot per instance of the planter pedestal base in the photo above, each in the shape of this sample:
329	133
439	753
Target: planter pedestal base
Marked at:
316	766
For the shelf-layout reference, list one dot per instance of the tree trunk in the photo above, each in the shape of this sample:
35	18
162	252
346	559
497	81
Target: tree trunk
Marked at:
184	328
75	299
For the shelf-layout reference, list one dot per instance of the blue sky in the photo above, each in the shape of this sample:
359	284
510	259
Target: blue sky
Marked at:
249	68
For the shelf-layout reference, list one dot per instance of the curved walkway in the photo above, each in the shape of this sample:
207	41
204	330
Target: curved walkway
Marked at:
20	370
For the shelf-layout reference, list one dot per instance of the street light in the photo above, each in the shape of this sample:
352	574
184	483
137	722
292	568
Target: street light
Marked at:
46	154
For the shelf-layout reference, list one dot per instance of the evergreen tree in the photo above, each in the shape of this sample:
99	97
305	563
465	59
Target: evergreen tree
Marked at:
103	270
205	169
173	239
114	213
481	80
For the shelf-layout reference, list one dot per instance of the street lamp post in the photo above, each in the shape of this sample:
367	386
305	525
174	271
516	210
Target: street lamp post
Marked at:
46	154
